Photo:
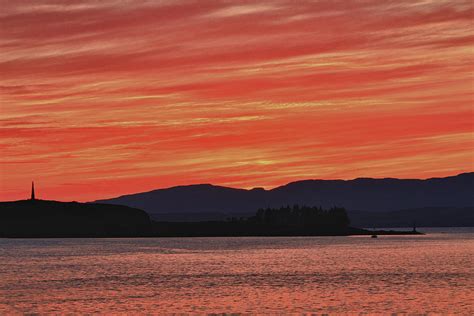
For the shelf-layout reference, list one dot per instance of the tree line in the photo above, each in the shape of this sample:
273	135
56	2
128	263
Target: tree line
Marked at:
300	216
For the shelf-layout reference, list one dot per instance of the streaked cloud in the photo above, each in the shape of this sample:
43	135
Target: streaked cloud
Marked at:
113	97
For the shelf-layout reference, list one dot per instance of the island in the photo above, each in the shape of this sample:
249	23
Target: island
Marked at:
52	219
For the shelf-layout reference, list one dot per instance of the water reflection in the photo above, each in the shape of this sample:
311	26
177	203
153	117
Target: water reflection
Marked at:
412	274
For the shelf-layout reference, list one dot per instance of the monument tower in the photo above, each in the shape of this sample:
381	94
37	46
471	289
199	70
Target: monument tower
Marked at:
32	190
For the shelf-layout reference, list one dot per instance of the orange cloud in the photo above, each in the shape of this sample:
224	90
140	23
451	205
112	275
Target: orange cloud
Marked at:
105	98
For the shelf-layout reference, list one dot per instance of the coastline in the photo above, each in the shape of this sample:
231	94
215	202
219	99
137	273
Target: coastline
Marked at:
351	232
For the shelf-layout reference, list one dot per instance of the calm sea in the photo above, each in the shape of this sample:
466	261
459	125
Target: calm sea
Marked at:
405	274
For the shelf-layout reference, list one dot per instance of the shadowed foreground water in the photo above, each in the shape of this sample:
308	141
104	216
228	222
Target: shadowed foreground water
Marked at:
402	274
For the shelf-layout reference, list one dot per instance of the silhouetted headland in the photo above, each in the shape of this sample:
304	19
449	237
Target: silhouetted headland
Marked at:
43	218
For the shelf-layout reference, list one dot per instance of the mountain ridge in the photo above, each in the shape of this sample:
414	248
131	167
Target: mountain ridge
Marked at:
367	194
283	185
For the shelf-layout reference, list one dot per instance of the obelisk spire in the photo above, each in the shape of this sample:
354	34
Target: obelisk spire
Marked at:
32	190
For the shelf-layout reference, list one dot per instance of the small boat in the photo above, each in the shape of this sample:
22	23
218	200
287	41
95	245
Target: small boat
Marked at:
374	236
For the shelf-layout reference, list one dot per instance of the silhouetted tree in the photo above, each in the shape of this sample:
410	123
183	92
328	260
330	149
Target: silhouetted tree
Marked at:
303	216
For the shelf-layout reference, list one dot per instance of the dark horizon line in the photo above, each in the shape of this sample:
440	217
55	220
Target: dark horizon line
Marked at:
258	188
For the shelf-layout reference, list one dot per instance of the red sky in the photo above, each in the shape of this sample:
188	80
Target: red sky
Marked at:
103	98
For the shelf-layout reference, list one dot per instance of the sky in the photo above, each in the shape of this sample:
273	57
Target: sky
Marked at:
104	98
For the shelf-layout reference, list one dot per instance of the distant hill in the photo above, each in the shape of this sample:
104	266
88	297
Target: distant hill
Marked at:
194	202
41	218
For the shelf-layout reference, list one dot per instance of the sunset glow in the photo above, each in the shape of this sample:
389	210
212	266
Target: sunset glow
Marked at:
104	98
